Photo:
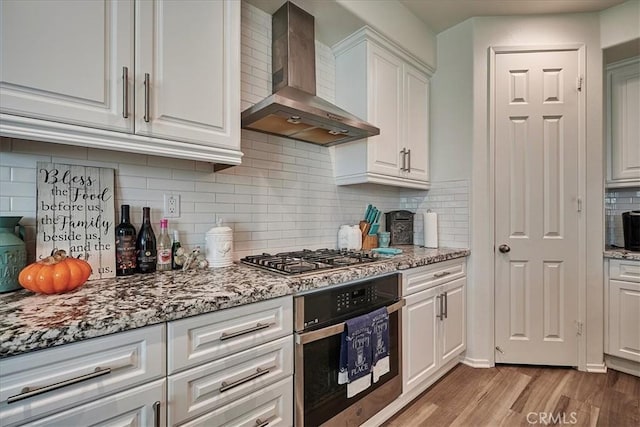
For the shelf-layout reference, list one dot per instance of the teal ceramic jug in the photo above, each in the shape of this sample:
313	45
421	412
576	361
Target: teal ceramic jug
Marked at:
13	254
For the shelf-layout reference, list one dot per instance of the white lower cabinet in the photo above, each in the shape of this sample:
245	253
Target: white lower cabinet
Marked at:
434	322
242	354
622	325
52	386
140	406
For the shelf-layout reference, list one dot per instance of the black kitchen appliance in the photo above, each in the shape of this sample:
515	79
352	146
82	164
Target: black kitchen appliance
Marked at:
319	322
309	261
631	228
400	226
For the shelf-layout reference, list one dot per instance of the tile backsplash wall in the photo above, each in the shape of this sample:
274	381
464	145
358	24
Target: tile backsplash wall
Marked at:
450	200
617	201
282	197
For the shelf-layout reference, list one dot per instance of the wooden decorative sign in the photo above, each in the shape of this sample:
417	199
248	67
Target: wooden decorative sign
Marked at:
75	212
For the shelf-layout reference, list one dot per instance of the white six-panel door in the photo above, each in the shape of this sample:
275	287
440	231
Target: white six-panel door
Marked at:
536	207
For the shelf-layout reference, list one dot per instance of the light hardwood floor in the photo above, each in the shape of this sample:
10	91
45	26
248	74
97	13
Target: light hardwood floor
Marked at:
509	395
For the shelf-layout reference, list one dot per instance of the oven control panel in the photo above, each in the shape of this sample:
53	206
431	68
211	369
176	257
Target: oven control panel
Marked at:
356	297
335	304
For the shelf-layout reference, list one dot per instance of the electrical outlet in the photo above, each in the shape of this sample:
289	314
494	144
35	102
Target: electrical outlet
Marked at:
171	205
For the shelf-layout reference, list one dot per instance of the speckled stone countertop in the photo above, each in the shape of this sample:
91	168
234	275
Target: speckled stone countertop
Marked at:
619	253
31	322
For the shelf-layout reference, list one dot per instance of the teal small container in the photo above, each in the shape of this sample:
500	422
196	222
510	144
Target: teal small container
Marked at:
383	239
13	252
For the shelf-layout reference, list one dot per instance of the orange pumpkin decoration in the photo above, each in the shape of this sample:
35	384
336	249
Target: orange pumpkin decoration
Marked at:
55	274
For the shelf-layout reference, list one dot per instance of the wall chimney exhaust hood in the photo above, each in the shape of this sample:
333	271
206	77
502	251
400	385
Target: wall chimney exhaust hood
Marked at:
293	110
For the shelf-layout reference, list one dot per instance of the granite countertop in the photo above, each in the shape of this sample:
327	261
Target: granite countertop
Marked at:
31	322
619	253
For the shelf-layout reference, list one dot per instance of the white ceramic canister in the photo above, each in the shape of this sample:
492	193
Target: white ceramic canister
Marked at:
343	236
219	246
355	238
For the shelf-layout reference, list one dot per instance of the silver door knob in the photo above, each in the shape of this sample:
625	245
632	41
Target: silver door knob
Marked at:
504	248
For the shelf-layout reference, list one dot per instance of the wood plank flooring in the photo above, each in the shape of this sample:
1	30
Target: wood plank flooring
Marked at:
510	395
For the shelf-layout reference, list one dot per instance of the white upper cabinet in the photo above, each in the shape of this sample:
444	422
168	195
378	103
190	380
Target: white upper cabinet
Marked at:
63	61
69	75
623	126
379	82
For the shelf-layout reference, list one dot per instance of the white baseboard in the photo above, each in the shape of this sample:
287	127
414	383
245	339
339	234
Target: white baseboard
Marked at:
627	366
596	368
477	363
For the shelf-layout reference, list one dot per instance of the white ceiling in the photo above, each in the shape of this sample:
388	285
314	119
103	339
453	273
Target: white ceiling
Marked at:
442	14
333	22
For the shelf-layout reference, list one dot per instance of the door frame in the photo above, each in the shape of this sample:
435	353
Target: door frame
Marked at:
582	161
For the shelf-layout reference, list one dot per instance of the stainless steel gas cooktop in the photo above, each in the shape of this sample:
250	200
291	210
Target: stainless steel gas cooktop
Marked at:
309	261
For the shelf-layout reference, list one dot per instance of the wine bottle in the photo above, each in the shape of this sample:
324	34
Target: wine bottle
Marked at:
146	244
125	244
174	250
164	248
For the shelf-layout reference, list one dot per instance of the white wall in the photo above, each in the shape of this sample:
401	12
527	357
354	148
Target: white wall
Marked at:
452	105
620	23
394	20
519	31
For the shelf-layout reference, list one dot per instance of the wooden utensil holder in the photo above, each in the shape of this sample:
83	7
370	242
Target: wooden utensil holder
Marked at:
368	242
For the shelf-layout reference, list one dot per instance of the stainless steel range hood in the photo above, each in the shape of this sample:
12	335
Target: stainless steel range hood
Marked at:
293	110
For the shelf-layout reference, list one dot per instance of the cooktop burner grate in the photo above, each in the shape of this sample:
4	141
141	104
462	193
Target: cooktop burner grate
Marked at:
306	261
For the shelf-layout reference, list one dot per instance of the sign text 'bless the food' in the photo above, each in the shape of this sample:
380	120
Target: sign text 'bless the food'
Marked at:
75	212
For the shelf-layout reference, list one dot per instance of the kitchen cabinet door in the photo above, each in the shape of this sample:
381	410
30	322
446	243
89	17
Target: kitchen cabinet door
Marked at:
187	65
63	61
624	320
623	127
141	406
385	112
416	124
453	332
420	338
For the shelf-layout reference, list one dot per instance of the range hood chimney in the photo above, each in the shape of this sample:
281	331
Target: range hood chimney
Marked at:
293	110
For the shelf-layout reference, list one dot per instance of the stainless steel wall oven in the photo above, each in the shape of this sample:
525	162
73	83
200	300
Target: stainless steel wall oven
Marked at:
319	322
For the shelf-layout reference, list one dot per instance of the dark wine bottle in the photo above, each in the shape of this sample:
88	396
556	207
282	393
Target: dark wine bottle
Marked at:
146	244
125	244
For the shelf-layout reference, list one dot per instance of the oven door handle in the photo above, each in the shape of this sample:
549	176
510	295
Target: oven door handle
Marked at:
338	328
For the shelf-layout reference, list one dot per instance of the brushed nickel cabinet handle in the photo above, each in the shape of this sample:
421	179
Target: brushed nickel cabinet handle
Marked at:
404	160
439	315
262	423
147	90
259	326
125	92
156	414
446	305
28	392
409	161
441	274
224	386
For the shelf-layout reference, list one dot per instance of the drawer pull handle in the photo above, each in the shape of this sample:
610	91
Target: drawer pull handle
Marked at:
156	414
441	274
224	386
262	423
28	392
259	326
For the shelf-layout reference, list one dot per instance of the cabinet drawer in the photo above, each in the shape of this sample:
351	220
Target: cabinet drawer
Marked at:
421	278
272	404
624	270
212	385
126	360
204	338
131	408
